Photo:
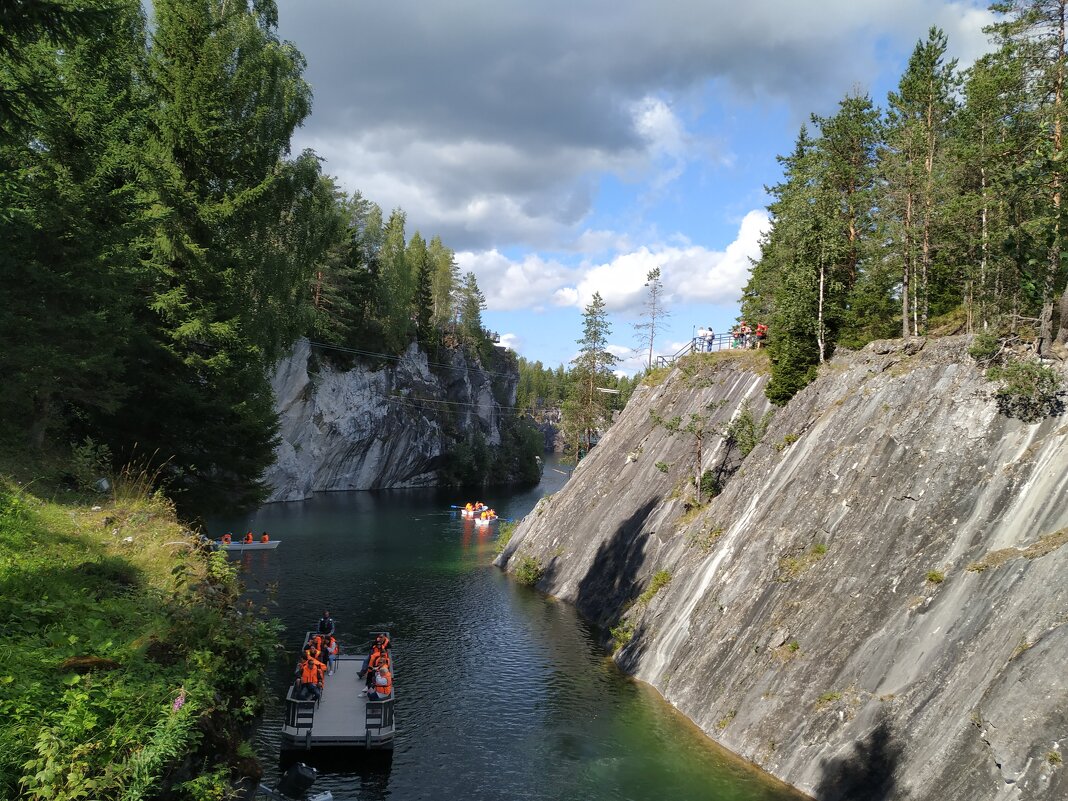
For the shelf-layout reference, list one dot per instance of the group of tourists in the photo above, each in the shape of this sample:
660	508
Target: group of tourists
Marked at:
744	335
319	660
248	539
377	670
479	510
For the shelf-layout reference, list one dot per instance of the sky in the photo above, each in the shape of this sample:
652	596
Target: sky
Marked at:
567	148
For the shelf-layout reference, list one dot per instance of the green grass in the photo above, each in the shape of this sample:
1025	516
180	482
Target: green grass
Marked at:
621	634
660	580
119	616
505	530
935	576
529	571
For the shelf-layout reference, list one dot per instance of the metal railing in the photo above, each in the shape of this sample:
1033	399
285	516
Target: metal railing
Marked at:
698	345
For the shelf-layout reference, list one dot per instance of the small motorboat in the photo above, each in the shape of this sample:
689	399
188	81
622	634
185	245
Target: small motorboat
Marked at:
484	521
249	546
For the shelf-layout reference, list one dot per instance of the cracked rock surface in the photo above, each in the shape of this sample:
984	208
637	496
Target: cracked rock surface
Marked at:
835	614
365	428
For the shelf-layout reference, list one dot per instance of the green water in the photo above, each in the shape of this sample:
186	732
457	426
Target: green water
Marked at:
502	693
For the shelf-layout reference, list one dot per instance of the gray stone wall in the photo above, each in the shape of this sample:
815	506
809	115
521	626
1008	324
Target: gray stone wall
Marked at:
826	616
366	428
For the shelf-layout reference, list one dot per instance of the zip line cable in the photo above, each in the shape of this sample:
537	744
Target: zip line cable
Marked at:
399	358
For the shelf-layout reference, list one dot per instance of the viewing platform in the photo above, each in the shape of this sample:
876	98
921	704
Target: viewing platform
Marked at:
344	717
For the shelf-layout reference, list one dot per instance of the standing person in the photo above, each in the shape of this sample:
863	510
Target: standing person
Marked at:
761	335
332	649
710	338
747	334
326	623
700	342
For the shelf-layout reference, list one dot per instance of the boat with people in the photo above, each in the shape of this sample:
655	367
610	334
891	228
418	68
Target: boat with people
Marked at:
247	543
485	521
341	696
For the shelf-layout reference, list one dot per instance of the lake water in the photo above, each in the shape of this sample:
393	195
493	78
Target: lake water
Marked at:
501	692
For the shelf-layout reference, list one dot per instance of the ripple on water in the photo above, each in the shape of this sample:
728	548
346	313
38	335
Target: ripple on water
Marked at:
501	693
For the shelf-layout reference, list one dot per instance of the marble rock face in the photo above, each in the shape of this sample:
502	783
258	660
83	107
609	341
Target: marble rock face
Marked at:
375	428
875	603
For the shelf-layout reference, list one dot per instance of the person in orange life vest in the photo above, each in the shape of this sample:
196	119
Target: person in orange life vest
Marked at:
227	539
332	649
383	641
492	514
310	676
470	507
378	657
248	537
383	685
265	538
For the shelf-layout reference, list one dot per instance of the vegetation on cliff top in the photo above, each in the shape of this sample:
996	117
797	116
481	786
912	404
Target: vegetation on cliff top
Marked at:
129	664
947	203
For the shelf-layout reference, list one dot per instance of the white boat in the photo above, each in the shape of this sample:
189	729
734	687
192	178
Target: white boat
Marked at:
249	546
484	521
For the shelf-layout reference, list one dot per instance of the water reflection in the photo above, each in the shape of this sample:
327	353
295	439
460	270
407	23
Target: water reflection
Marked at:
501	692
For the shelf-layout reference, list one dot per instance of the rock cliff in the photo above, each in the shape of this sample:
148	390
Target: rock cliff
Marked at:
374	427
875	604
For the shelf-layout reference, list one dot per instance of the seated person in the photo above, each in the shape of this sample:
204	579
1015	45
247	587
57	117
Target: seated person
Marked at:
383	685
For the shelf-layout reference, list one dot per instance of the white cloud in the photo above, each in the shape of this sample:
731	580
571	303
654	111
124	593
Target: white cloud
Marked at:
691	274
511	341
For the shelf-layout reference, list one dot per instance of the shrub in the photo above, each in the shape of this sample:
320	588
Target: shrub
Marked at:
90	461
529	571
504	535
725	721
710	484
621	634
663	467
660	580
1029	390
985	347
935	576
746	431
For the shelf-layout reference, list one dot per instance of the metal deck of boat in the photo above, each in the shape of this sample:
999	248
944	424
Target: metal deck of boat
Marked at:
343	717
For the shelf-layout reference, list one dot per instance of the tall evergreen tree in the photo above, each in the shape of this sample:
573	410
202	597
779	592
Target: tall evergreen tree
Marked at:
418	258
472	303
228	282
445	277
587	409
69	242
919	118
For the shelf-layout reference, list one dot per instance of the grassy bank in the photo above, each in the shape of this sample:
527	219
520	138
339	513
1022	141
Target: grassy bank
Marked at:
128	663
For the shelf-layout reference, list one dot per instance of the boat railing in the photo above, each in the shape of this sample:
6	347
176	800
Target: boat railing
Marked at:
300	714
379	716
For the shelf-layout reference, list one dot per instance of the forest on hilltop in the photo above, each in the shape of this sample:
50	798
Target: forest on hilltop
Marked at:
940	212
161	247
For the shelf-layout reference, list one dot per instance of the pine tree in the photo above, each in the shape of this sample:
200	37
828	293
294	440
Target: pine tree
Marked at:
398	283
471	305
445	278
587	408
919	119
234	250
418	259
69	242
654	313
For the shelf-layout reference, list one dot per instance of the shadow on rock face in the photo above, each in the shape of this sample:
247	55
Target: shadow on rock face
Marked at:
868	774
610	581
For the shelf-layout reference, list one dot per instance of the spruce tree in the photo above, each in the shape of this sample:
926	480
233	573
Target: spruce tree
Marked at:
587	409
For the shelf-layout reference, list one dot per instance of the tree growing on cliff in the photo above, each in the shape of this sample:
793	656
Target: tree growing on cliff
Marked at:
587	408
654	313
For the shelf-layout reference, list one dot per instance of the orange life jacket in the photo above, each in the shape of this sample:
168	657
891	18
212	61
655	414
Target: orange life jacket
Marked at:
386	687
248	537
379	658
469	507
265	538
332	647
226	538
309	673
